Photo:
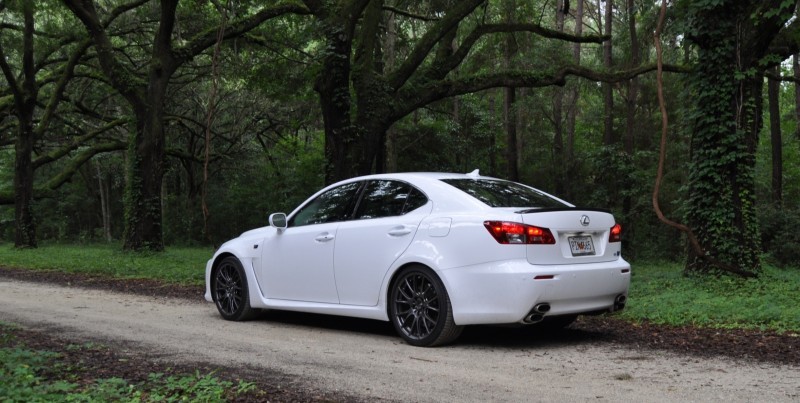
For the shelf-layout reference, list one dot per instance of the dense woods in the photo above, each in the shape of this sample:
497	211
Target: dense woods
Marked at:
187	122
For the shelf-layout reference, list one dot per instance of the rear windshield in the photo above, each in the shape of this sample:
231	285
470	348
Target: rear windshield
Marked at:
497	193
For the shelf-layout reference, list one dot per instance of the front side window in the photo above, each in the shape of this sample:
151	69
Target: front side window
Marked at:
499	193
385	198
334	205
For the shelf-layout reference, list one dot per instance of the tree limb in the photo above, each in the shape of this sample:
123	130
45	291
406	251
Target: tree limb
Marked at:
451	20
234	29
411	99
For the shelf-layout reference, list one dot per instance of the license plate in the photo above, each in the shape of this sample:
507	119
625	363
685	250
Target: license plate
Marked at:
581	245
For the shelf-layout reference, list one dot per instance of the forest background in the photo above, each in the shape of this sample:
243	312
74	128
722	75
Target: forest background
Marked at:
162	123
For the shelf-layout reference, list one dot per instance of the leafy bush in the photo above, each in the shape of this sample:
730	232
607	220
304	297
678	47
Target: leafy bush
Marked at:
779	236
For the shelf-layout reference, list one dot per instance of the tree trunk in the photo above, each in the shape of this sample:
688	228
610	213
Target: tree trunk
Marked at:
25	226
102	185
510	118
510	96
389	62
630	106
143	212
633	84
608	91
773	93
558	105
574	94
334	94
796	71
25	97
727	105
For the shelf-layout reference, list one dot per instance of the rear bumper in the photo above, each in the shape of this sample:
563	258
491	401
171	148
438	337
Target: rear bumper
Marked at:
505	292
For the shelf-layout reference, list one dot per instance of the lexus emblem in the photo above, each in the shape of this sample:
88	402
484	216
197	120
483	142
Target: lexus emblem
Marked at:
585	220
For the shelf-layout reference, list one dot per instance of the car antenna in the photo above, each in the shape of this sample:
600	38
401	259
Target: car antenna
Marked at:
474	174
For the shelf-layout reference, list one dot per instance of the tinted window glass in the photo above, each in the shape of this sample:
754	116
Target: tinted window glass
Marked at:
496	193
389	198
334	205
416	199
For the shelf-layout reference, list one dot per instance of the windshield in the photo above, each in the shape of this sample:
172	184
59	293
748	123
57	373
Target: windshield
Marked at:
498	193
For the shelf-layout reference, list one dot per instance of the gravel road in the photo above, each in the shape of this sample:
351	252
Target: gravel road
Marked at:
365	359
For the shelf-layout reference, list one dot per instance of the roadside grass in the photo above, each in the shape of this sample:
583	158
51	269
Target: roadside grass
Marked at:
39	376
178	265
659	293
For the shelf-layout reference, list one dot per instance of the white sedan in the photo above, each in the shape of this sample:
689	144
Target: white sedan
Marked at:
430	252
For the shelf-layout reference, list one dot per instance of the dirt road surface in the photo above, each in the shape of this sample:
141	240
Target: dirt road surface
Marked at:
366	360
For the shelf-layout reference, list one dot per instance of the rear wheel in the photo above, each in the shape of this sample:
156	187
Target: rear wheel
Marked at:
229	290
420	309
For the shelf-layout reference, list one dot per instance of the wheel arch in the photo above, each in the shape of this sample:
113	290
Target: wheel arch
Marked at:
393	277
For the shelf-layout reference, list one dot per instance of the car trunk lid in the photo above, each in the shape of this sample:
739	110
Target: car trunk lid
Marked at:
582	236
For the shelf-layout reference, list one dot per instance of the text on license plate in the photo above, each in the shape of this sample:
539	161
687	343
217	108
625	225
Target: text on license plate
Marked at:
581	245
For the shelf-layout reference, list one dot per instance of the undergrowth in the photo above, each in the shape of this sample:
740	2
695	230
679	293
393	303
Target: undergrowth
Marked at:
175	265
661	294
41	376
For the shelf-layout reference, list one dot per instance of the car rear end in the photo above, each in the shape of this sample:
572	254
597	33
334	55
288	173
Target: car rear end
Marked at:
559	260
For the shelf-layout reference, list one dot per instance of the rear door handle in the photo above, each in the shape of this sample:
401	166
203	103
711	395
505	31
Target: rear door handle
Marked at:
324	237
400	231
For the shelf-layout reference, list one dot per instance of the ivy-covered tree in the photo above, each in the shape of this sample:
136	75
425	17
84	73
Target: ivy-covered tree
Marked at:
735	42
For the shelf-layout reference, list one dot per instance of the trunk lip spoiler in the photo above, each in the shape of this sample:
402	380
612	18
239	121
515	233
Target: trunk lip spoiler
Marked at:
554	209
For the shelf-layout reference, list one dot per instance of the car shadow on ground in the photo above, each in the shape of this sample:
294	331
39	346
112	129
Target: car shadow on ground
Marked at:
474	336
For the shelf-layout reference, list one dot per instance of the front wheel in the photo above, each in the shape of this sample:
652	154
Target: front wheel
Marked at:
229	290
420	309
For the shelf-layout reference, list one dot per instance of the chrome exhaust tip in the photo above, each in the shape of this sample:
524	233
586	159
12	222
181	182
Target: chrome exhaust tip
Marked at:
619	302
543	307
533	318
537	314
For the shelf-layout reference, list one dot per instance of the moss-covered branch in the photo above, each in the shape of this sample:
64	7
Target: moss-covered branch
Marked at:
412	99
46	190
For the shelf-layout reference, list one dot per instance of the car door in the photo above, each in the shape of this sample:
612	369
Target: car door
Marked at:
297	264
383	226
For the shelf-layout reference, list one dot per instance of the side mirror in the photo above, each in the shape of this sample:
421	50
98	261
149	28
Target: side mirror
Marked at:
278	220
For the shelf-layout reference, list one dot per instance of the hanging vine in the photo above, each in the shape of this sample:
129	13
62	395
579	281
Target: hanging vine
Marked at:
693	241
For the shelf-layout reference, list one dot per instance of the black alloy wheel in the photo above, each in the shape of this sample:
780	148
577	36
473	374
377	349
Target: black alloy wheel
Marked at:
420	309
229	290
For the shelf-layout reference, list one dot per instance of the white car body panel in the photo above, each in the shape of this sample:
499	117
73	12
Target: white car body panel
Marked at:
299	269
297	264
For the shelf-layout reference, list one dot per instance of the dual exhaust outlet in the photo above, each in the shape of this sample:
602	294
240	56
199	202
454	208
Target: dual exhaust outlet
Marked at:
537	314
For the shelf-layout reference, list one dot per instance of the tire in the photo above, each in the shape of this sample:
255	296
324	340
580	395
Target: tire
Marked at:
420	309
229	290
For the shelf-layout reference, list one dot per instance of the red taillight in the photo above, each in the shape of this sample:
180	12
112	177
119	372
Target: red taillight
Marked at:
616	234
515	233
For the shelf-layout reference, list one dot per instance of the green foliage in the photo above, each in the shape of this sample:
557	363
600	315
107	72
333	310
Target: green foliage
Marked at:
721	202
21	370
779	235
175	265
661	294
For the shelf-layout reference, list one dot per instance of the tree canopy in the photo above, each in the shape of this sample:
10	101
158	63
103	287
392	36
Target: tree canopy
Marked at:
115	123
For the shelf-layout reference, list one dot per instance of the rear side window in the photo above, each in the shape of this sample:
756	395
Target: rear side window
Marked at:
386	198
497	193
